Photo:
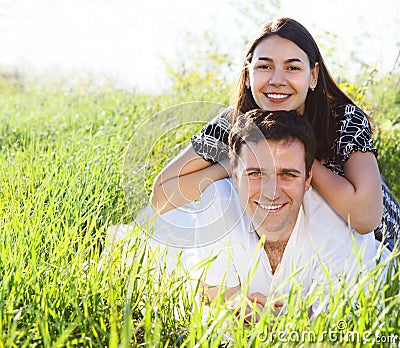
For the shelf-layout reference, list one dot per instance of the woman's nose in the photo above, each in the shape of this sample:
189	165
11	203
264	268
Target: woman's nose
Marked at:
277	77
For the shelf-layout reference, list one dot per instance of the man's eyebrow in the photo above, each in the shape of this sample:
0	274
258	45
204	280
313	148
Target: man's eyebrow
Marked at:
286	61
283	170
252	169
290	170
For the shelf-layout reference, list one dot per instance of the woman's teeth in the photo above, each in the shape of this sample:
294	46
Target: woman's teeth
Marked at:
276	96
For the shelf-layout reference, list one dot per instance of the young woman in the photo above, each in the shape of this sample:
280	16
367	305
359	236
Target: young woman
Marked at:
283	70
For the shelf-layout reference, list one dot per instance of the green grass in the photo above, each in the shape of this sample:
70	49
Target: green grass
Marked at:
62	184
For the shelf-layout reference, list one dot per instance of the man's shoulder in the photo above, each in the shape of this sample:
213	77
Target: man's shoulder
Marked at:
319	217
221	214
328	230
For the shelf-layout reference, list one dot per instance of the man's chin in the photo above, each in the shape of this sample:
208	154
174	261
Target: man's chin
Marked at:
267	224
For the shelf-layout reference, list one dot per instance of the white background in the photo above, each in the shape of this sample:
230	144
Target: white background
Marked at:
129	40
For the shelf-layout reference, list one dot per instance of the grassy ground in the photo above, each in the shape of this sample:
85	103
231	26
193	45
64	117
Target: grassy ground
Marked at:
62	184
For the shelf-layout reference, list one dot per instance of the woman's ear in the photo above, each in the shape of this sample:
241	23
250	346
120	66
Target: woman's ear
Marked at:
246	76
247	81
314	76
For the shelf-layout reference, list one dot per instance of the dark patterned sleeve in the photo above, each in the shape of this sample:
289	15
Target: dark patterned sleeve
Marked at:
354	133
212	142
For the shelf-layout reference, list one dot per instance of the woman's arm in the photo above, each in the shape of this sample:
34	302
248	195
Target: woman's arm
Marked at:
184	179
358	195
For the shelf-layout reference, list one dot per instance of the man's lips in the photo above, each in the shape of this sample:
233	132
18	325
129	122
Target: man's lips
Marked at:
270	207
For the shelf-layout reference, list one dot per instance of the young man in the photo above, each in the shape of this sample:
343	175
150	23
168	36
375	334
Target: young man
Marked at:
280	232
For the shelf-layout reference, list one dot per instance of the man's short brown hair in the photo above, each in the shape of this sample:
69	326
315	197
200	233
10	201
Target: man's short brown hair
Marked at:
256	125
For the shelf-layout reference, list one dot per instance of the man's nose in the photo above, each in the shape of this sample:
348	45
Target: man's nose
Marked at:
270	188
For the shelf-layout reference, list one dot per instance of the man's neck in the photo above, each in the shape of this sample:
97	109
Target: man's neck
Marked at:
276	241
275	244
275	252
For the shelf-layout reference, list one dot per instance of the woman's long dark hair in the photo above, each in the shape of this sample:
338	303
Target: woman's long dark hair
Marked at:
318	104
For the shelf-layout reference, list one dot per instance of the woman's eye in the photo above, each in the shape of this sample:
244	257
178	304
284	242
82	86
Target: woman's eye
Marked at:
263	67
293	68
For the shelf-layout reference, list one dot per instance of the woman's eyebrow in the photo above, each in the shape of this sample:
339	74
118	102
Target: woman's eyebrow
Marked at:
286	61
266	59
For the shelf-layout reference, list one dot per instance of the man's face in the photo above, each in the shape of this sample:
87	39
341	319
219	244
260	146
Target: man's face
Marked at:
271	180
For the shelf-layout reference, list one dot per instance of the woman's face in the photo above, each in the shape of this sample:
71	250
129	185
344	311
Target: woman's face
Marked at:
279	75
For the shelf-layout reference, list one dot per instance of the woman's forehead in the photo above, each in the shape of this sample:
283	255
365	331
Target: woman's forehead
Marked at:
276	47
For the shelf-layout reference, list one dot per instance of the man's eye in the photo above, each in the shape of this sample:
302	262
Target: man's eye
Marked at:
254	174
289	175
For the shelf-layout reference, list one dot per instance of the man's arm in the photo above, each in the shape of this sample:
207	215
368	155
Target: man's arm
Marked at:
211	292
231	295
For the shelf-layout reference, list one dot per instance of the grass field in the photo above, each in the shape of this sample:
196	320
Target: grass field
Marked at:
62	184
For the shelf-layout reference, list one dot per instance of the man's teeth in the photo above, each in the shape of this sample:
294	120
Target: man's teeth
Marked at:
270	207
277	96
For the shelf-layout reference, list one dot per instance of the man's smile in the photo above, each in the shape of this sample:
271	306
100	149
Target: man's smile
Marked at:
270	207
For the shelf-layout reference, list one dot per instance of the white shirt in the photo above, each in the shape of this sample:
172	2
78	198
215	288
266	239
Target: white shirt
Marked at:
319	238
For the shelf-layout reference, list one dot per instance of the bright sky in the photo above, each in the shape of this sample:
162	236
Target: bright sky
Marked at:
126	40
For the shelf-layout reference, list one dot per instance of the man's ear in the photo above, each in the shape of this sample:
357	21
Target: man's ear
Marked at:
308	181
234	177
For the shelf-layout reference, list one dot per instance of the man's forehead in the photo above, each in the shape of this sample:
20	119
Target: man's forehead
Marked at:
252	151
266	152
271	145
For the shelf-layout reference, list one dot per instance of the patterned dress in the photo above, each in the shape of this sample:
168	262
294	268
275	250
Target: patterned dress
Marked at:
353	134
